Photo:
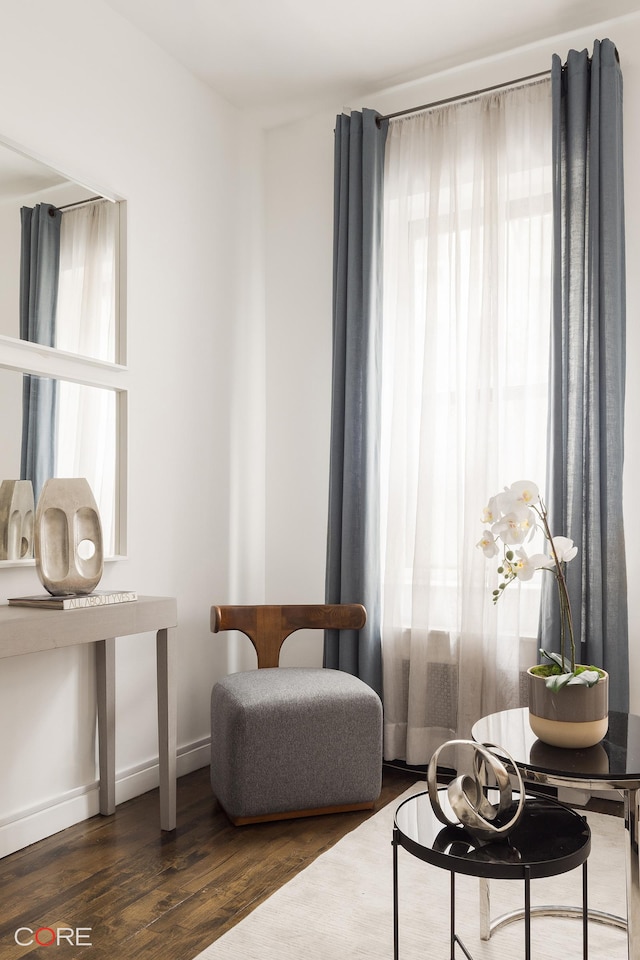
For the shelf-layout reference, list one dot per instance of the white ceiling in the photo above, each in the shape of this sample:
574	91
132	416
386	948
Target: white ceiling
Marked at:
284	58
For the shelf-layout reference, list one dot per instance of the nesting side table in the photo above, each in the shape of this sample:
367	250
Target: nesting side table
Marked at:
549	839
613	764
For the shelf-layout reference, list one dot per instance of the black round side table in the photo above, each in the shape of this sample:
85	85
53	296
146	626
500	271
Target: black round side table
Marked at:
549	839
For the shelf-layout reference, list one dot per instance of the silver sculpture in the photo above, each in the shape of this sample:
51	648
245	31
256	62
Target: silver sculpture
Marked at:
467	793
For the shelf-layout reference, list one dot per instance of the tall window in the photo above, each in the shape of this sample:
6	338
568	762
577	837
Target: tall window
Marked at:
467	290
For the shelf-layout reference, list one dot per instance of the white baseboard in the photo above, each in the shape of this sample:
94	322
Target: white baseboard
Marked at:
29	826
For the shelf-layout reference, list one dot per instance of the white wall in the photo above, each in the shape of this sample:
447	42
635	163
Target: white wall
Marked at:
107	107
299	174
299	198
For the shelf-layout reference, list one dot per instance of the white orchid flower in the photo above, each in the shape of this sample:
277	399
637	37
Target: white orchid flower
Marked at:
520	494
522	566
488	544
515	526
491	512
565	551
525	492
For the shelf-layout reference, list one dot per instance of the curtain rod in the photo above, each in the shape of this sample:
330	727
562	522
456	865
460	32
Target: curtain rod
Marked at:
79	203
464	96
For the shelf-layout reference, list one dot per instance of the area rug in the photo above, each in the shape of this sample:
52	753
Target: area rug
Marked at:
341	908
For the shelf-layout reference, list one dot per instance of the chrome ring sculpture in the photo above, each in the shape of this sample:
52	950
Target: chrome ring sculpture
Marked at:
467	794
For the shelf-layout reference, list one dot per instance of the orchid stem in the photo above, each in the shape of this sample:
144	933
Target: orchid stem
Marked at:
563	593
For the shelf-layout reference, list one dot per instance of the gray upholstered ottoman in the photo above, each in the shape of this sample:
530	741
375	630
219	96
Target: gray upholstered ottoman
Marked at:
294	742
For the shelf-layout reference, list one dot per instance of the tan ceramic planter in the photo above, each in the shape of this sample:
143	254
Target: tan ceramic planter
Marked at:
574	717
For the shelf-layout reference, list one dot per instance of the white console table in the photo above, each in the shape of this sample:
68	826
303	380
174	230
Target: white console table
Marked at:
25	630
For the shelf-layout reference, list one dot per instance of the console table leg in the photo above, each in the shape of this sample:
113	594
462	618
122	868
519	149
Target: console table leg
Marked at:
106	690
167	725
631	800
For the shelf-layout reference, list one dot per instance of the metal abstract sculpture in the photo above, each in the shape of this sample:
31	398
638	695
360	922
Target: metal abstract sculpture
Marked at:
468	794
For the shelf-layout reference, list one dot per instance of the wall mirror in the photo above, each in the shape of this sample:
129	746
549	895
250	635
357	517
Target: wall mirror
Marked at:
84	441
62	335
89	237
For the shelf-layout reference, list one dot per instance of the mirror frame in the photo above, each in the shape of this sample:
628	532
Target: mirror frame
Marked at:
23	356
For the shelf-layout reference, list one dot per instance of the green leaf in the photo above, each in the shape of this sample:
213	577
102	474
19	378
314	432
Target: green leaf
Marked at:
587	678
563	663
558	681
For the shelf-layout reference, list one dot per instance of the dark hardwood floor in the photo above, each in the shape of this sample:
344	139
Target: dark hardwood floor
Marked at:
148	895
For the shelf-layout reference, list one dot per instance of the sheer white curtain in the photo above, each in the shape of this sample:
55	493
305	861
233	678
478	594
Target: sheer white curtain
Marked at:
86	315
467	257
86	324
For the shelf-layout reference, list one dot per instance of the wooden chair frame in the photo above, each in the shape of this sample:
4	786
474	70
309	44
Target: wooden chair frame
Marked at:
269	626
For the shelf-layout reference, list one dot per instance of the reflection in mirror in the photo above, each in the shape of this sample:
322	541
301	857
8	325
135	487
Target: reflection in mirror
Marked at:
84	258
84	442
17	515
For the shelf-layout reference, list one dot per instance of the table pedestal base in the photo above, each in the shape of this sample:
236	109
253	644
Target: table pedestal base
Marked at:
489	926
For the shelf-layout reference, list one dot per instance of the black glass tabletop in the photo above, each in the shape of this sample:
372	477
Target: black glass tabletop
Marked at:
616	758
548	839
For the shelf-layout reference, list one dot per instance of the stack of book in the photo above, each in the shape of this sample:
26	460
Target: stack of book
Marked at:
73	601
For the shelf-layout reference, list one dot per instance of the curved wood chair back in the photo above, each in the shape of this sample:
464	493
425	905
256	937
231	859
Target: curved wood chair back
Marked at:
268	626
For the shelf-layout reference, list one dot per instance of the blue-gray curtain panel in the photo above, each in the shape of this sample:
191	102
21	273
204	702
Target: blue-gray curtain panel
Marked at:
587	382
39	273
353	544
